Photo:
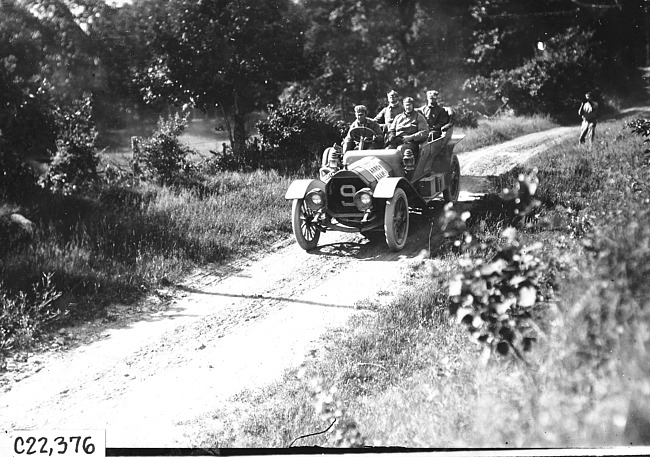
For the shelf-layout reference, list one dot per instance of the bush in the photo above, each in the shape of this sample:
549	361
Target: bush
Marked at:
252	158
296	132
23	316
163	157
500	301
74	165
27	130
466	114
553	81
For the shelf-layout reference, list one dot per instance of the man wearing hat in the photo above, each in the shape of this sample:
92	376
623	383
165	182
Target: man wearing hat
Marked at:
386	115
408	127
361	113
436	115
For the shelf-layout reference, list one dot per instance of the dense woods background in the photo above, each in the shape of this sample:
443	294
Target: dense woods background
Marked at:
233	58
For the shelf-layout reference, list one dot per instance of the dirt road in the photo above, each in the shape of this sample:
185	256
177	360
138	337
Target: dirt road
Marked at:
145	381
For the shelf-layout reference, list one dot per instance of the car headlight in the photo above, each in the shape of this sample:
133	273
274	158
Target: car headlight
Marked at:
315	199
363	199
409	160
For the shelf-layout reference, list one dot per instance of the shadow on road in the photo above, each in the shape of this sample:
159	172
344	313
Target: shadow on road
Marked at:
265	297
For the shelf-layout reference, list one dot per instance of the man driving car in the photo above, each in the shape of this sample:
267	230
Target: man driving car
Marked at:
353	138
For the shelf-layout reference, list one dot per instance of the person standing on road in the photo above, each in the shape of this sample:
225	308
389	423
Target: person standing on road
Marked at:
589	112
436	115
390	112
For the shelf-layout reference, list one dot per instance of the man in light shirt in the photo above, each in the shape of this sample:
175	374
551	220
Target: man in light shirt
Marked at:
388	114
589	112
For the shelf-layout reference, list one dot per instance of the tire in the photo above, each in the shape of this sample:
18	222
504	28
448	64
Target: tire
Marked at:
306	233
396	220
450	194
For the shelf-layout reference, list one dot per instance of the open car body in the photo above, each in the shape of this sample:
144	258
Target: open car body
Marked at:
371	190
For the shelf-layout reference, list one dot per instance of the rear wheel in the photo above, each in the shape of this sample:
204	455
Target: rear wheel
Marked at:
396	220
304	229
450	194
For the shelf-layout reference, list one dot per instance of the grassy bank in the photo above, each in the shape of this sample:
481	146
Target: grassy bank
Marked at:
410	376
117	243
500	129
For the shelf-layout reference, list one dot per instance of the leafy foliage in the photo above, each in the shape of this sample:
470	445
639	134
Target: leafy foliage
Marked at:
550	82
361	49
162	157
23	316
225	54
641	127
500	301
497	300
296	132
465	116
74	165
27	130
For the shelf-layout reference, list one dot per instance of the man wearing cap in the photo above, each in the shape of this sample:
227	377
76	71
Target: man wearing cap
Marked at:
436	116
408	127
361	113
386	115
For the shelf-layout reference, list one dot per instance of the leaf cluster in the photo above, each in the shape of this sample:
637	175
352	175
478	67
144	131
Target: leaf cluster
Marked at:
640	127
27	128
74	165
497	300
549	82
23	316
296	130
500	301
163	157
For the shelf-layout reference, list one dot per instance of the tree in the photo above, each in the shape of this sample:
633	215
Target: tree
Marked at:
368	47
507	32
124	39
234	54
74	165
67	64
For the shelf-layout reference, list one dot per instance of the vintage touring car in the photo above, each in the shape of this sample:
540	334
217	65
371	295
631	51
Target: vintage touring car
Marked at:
371	190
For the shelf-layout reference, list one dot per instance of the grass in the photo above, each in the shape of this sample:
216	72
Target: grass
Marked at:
117	243
500	129
409	376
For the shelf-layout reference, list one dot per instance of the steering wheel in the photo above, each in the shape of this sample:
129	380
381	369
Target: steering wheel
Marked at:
361	136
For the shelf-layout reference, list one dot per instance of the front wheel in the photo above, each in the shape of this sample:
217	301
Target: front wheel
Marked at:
396	220
304	228
450	194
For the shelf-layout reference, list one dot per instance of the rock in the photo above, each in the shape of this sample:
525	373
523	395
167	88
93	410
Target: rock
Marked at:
24	223
15	228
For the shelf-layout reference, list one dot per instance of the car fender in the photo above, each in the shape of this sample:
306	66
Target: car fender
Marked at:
386	187
300	187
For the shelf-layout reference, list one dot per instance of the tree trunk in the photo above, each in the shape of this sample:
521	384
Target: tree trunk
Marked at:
239	134
227	122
